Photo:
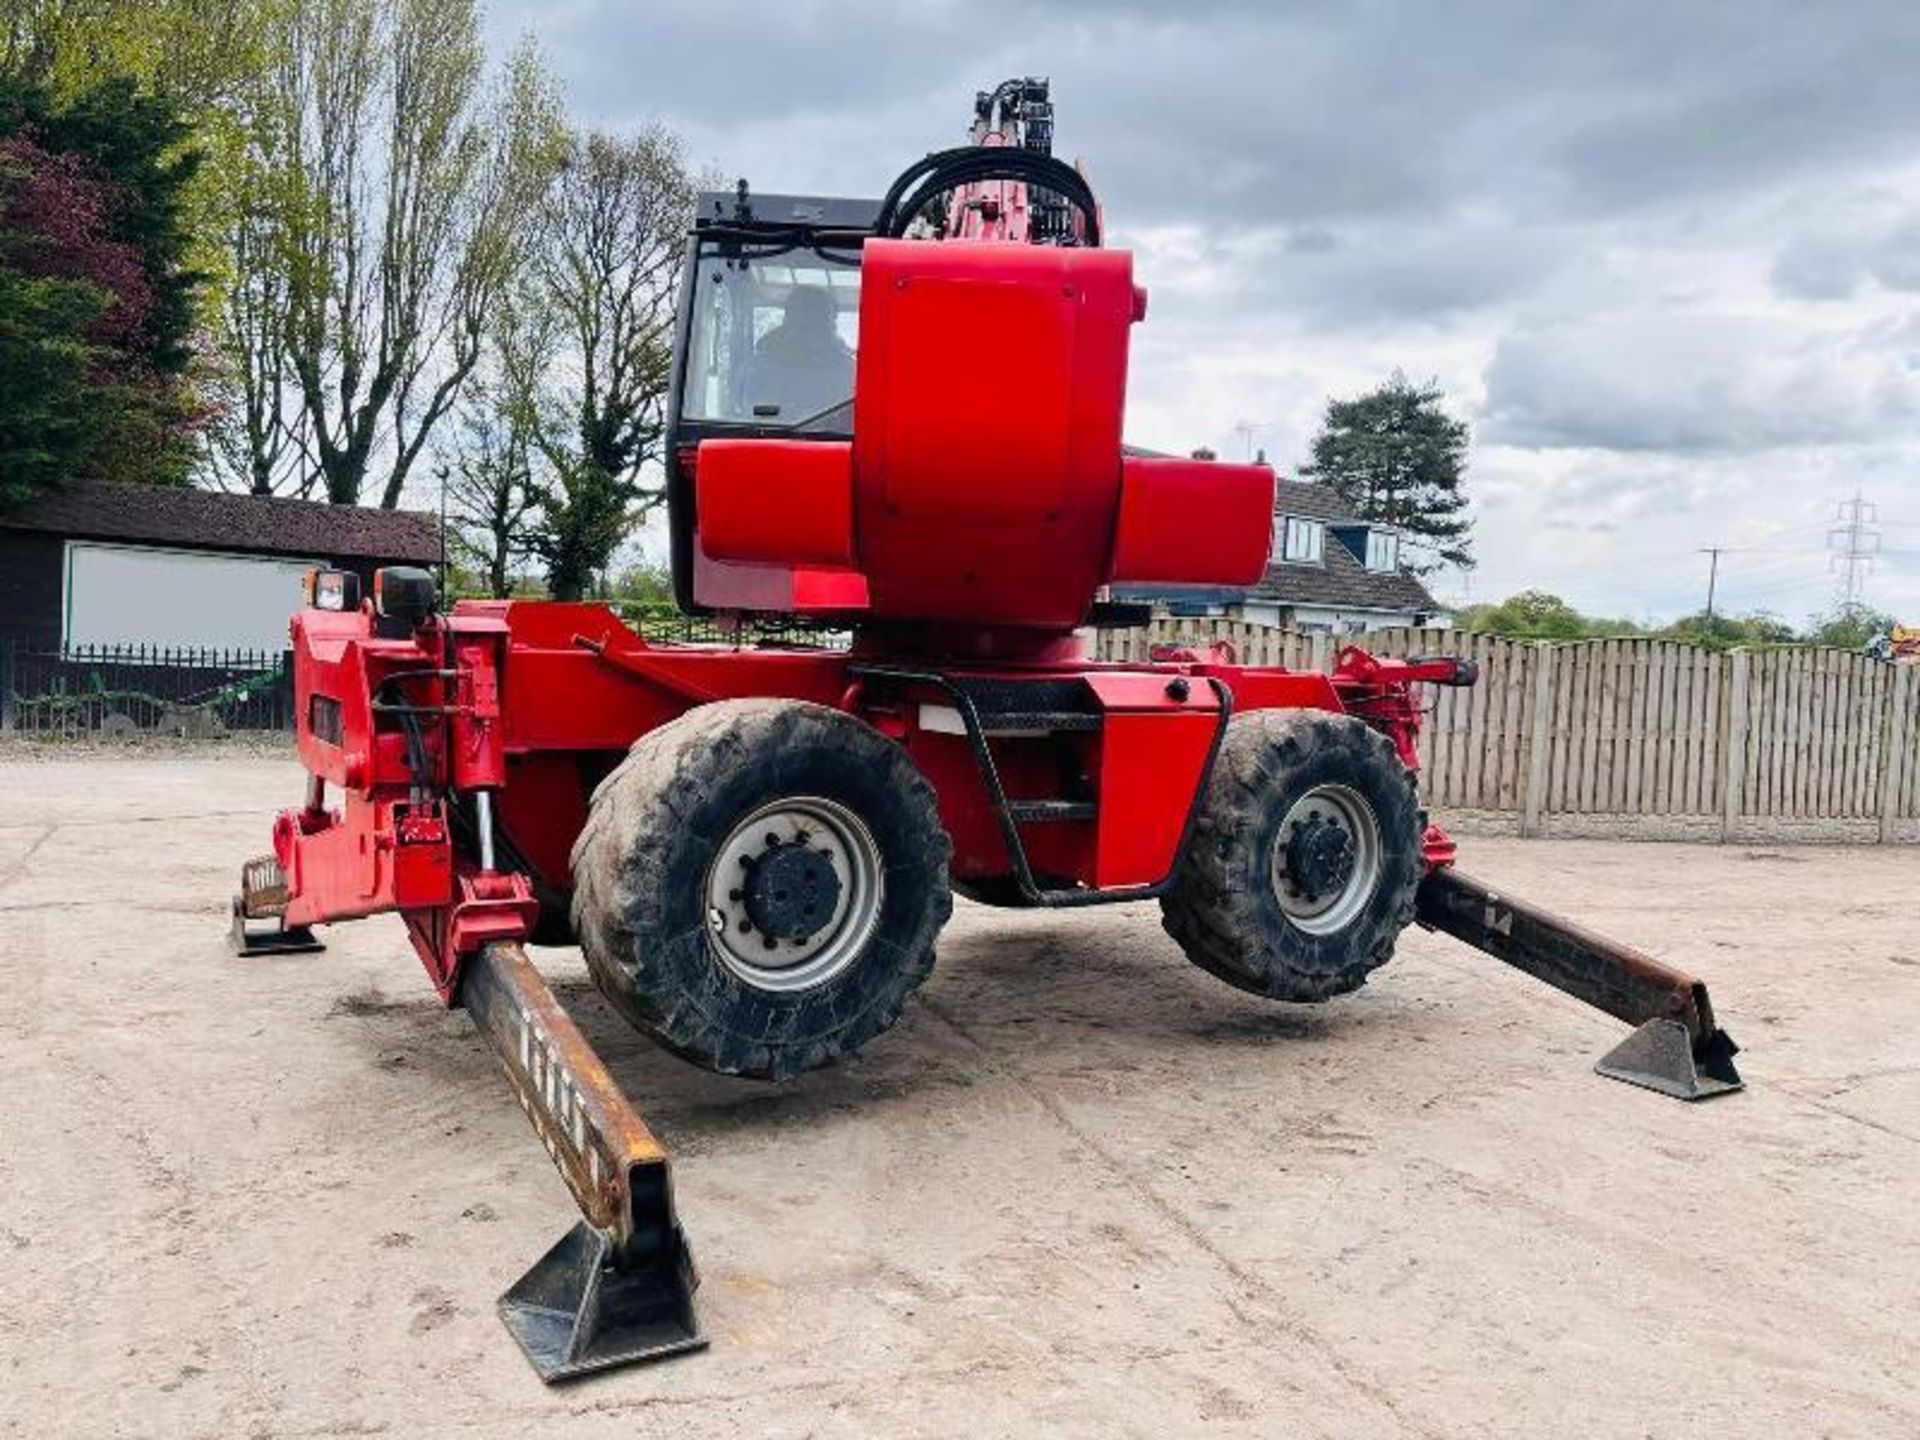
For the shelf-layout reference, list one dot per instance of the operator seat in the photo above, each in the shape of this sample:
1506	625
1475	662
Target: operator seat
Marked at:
801	366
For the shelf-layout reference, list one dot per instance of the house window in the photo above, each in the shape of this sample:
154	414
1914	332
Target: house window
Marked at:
1301	541
1383	550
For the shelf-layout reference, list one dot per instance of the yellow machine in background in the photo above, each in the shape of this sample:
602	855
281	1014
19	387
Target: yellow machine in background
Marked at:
1900	644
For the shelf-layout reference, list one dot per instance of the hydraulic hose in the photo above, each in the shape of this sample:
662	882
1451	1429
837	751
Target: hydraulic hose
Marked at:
946	170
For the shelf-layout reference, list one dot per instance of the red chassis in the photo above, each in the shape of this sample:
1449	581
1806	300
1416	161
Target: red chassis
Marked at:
531	704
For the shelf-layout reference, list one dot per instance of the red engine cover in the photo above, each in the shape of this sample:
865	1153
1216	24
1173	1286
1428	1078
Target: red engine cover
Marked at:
986	462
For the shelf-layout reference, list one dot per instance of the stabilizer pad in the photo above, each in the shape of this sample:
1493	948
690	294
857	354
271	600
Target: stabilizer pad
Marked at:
1660	1055
579	1310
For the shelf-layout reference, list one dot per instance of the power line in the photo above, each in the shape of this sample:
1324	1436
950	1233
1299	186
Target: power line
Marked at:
1713	575
1854	543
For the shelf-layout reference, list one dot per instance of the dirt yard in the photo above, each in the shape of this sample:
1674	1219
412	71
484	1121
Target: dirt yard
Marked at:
1082	1189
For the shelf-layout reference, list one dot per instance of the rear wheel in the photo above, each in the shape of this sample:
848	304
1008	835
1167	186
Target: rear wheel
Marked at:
1302	868
759	885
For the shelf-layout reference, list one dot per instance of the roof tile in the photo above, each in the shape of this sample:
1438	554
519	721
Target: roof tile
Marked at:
206	519
1340	580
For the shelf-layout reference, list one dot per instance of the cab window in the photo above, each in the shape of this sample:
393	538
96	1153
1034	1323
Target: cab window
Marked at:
773	339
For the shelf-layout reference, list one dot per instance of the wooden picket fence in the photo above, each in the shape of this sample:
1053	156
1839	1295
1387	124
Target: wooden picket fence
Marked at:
1651	728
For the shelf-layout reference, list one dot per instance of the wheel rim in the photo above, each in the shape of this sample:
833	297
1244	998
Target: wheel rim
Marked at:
1326	859
794	894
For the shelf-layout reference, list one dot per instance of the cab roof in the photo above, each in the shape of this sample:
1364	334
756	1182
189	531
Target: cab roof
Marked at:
722	209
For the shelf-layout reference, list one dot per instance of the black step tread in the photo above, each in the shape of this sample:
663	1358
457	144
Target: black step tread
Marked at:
1045	810
1001	694
1005	721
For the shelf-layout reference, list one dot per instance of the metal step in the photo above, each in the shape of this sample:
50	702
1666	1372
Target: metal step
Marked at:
1018	722
1024	811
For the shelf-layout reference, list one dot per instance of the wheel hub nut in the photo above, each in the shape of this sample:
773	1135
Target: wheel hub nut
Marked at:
791	892
1320	858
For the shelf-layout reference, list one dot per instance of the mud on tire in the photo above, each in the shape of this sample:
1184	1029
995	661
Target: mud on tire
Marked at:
1241	913
663	825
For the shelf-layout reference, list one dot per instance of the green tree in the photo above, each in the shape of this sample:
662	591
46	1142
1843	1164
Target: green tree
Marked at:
1849	627
140	147
644	587
46	363
83	392
1725	632
99	297
1537	615
171	76
1398	459
1532	614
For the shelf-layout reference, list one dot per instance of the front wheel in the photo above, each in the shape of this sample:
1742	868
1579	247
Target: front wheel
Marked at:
1303	866
759	885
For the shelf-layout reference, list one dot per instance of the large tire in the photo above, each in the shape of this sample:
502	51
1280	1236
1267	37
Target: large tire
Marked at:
1257	899
668	833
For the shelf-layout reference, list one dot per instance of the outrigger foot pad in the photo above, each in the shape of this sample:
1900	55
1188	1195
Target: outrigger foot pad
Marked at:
1662	1055
619	1285
260	914
580	1309
1676	1049
271	936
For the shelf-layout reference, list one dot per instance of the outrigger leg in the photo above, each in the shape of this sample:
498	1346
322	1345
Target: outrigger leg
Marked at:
618	1287
1675	1049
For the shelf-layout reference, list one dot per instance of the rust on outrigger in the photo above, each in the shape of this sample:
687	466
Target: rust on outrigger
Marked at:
1676	1048
618	1287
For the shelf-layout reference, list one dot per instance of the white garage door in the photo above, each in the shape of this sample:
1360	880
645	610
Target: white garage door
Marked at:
131	595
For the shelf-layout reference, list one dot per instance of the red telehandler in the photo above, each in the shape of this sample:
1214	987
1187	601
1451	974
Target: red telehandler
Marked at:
756	845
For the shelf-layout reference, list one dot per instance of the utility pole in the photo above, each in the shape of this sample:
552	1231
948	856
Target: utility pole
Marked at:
1713	576
1854	542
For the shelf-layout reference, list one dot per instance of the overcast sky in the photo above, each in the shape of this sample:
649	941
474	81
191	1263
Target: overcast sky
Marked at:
1665	258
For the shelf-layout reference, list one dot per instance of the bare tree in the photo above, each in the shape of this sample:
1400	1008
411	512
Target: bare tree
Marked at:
399	192
260	438
587	355
490	491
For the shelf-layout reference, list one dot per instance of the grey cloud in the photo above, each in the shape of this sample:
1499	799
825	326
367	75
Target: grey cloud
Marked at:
1817	267
1369	275
1284	114
1693	383
1311	240
1833	264
1413	131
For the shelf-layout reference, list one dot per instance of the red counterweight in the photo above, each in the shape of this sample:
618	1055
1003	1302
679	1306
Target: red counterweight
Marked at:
987	428
985	485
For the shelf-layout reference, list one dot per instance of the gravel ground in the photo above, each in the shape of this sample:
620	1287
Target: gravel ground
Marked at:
1082	1189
